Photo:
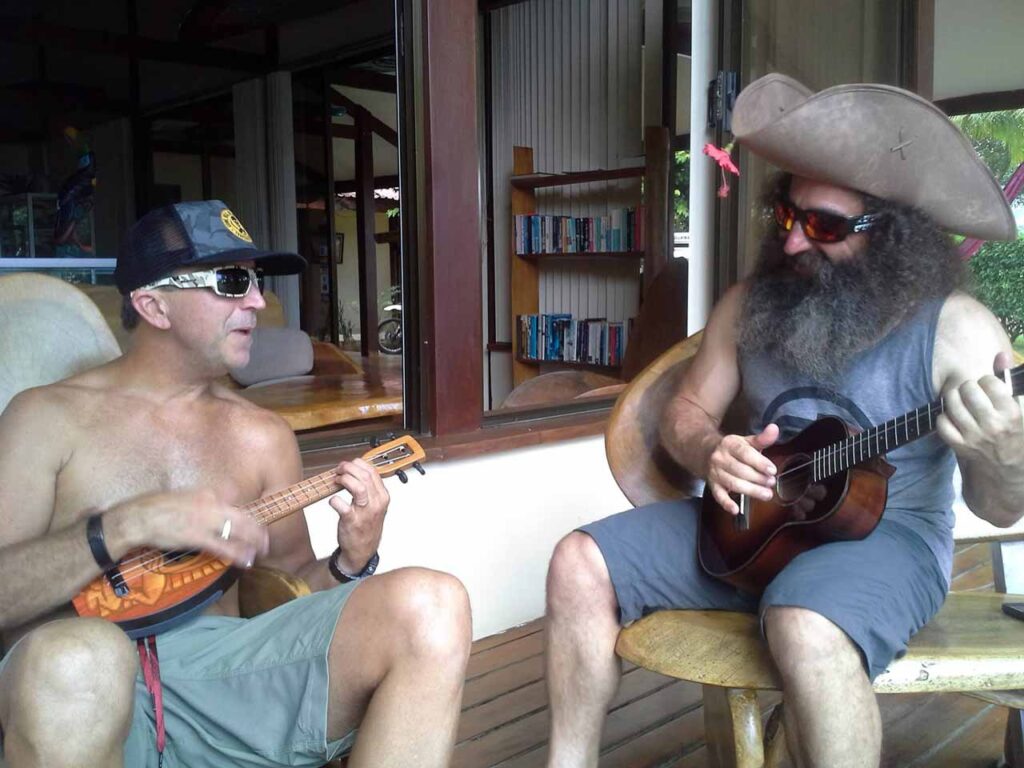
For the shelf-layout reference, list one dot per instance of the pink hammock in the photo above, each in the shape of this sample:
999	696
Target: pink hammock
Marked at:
970	246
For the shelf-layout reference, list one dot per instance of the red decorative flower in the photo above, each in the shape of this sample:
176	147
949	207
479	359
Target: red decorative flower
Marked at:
725	164
721	156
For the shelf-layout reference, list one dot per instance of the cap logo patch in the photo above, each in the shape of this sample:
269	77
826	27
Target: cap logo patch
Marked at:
234	225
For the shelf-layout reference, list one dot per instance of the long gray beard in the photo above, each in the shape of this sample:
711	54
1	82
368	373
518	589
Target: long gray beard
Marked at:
818	324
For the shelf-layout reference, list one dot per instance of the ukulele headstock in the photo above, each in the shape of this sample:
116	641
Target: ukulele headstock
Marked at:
1015	378
395	456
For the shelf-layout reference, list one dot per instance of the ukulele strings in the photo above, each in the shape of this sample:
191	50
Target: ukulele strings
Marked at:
143	563
1015	377
830	452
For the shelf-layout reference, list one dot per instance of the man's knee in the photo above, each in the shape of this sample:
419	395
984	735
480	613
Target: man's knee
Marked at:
578	572
81	664
803	641
432	612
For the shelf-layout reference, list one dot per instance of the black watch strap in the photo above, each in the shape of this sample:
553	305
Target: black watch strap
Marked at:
100	553
97	544
345	578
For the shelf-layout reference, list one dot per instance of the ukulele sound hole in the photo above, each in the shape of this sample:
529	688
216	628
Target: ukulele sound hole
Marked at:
794	478
182	556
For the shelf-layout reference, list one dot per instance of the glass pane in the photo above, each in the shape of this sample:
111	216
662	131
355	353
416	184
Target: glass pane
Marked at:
346	118
568	251
194	153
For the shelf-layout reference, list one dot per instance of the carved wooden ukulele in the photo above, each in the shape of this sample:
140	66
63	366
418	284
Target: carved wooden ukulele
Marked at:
749	550
152	590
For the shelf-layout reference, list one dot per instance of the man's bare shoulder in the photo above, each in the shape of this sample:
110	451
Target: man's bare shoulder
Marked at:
261	425
41	410
723	323
967	339
731	303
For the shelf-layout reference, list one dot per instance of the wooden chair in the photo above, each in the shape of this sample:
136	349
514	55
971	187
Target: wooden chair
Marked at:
969	647
557	387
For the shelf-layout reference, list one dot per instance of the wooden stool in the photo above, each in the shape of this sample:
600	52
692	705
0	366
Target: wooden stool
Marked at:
969	647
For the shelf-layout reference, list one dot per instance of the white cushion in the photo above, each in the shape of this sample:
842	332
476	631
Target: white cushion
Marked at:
276	353
49	330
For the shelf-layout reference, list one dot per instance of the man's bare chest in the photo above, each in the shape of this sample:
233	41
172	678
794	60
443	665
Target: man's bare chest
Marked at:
106	466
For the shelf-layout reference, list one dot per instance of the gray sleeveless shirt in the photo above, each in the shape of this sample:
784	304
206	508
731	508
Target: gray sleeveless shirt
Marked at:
885	381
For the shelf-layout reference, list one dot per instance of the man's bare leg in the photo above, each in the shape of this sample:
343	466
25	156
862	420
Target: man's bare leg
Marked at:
397	665
831	712
582	669
66	696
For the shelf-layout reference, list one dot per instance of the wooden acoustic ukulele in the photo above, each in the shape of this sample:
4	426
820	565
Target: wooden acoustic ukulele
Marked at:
151	590
748	550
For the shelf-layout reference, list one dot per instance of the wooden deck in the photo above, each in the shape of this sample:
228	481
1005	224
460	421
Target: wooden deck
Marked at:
658	721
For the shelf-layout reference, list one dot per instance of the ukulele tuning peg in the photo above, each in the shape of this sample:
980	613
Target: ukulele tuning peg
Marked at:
416	465
390	435
374	442
402	476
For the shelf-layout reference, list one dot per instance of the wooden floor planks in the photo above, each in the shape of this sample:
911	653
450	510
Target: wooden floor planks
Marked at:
658	722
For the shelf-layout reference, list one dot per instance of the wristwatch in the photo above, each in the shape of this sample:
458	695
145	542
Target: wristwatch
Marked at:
345	578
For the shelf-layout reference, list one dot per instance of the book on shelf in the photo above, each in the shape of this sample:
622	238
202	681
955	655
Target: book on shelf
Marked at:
621	230
559	337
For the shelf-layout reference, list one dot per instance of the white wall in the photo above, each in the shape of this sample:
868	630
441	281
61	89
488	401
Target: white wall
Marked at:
978	47
491	521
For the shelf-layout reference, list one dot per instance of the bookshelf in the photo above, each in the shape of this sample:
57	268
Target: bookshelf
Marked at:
524	267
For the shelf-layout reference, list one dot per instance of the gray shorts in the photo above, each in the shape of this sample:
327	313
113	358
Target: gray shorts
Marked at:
243	692
879	590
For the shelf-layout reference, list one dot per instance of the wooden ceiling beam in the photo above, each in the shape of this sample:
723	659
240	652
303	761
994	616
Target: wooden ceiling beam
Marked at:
67	96
43	33
379	182
382	129
365	79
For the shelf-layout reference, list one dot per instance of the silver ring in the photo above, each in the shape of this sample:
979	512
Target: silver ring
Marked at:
225	532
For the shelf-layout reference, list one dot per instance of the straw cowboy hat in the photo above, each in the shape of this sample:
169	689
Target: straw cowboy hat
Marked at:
877	139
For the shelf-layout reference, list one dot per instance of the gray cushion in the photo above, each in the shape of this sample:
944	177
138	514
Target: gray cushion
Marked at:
276	353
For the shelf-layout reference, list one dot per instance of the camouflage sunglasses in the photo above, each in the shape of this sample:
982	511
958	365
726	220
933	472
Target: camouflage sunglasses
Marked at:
229	282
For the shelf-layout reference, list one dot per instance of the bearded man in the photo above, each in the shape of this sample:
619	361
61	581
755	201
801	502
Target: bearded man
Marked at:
855	311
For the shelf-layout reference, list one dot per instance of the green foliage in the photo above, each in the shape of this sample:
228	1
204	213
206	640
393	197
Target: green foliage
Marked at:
998	273
997	269
681	192
990	129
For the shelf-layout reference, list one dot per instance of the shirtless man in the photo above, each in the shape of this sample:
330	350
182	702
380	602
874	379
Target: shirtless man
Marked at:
854	311
155	452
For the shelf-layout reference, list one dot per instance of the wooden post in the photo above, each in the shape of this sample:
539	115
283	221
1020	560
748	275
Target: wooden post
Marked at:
732	727
657	199
451	343
366	210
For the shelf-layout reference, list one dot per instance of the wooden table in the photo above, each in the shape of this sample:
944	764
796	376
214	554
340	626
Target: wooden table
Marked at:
308	402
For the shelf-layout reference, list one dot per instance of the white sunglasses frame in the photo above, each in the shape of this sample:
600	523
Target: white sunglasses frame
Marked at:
203	278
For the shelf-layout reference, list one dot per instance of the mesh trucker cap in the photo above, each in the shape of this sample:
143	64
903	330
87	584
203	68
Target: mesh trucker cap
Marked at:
191	234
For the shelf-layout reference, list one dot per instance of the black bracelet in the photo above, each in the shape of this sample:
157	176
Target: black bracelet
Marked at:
97	544
344	578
